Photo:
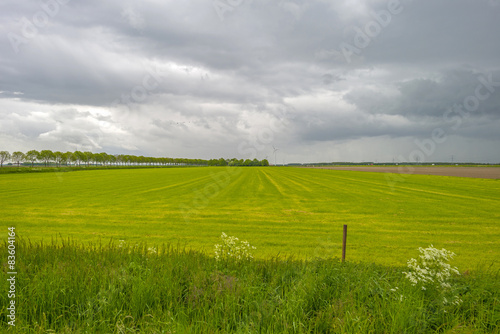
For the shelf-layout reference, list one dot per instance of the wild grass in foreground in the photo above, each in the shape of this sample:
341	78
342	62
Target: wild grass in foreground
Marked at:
121	288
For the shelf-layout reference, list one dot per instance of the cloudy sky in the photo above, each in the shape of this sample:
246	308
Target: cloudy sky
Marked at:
320	80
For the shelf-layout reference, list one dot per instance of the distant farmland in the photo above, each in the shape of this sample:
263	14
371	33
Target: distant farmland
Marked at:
476	172
286	211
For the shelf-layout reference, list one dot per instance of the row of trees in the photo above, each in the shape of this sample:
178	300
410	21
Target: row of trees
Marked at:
78	158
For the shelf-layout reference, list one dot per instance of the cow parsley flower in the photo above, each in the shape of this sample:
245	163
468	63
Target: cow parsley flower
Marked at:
233	248
432	271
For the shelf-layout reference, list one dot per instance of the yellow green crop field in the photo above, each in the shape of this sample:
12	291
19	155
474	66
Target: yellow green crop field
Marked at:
280	210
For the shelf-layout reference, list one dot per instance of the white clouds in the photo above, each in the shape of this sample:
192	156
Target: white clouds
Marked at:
60	127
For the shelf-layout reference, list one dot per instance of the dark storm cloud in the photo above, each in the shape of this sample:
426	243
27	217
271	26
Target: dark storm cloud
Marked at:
180	75
77	51
432	97
415	108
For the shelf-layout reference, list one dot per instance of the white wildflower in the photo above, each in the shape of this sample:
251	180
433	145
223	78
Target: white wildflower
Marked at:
432	270
233	248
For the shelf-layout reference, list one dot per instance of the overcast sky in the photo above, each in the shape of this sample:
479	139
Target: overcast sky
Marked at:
319	80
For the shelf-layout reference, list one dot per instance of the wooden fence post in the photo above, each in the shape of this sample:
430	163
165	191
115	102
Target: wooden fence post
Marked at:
344	240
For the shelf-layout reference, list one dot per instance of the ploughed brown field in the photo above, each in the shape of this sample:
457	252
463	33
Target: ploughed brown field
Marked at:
477	172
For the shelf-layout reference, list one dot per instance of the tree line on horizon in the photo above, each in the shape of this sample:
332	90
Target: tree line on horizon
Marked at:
78	158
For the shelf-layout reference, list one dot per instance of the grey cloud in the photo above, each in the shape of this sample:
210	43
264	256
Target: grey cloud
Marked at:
423	97
220	81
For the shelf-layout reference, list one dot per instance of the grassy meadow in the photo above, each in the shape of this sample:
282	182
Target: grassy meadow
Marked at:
132	251
289	211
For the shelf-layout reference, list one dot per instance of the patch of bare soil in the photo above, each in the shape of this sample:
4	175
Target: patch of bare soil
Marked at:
476	172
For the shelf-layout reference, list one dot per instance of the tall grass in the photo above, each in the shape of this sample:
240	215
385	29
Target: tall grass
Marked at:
118	288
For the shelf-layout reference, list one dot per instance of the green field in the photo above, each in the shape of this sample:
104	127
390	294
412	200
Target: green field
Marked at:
290	211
